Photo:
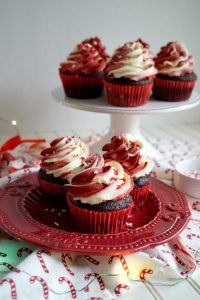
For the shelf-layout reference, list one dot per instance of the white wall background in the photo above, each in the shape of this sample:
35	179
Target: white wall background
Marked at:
35	35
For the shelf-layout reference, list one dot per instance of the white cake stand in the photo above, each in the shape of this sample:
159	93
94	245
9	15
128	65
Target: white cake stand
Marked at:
125	119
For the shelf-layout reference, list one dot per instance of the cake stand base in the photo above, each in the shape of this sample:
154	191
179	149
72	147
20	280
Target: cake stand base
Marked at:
129	124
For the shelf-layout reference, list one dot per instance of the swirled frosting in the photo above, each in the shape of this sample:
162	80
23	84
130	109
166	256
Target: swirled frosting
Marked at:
133	60
63	156
92	161
95	185
174	59
89	58
127	152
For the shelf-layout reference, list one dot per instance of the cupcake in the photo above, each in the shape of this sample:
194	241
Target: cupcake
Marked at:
129	75
99	198
176	78
58	162
82	72
127	152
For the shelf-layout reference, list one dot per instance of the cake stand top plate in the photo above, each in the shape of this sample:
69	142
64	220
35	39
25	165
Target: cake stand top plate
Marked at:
101	105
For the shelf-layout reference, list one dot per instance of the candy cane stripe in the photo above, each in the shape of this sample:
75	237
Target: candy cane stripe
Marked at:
63	258
92	260
44	285
70	284
144	272
41	260
123	262
189	236
119	287
196	205
176	257
10	267
98	277
12	287
95	298
21	250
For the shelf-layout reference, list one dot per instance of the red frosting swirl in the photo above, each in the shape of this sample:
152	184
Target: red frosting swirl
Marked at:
97	184
127	154
174	60
133	60
88	58
63	156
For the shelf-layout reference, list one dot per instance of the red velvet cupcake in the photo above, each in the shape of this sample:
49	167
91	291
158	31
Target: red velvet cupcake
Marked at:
129	75
176	78
82	72
126	151
99	199
64	155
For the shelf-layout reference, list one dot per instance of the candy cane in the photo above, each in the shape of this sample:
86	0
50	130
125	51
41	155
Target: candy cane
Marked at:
176	257
44	285
63	257
198	262
3	254
196	205
39	255
185	273
156	163
144	272
95	298
192	249
119	287
87	289
92	260
10	267
21	250
98	277
167	171
71	286
196	220
162	259
12	287
123	262
189	236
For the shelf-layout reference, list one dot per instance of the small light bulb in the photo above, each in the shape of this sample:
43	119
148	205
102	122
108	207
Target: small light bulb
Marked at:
14	123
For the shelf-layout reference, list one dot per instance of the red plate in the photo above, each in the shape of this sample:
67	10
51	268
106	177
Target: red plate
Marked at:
25	215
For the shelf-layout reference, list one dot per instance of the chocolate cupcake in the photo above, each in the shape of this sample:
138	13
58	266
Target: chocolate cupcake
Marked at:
58	162
129	75
176	78
127	152
82	72
99	199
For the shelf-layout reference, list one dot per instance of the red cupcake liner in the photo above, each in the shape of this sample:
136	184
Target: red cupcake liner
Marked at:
172	90
55	192
140	195
82	87
99	222
127	95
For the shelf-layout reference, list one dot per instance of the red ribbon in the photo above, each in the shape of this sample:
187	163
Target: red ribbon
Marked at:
15	141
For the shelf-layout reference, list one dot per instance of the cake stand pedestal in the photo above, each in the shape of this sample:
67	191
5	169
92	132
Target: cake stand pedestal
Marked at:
125	119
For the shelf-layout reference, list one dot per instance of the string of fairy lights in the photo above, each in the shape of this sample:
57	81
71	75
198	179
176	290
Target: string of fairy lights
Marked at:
175	281
12	123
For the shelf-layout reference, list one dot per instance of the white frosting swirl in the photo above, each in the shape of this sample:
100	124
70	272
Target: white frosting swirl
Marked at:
132	61
114	185
128	152
174	59
64	155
